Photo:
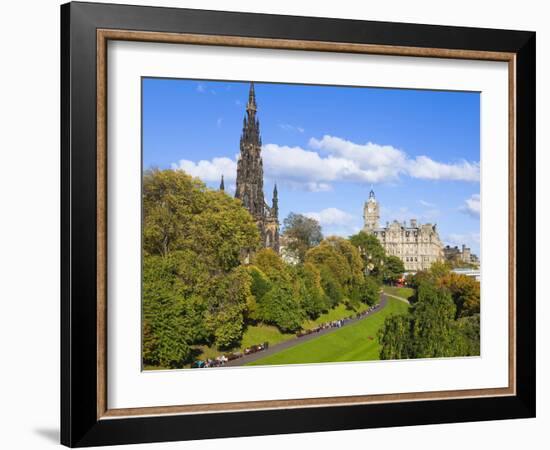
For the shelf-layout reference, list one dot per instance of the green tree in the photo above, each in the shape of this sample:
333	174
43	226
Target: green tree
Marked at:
166	336
371	251
280	305
170	200
353	258
260	286
367	291
194	290
415	280
432	331
271	264
468	329
394	269
394	337
465	292
328	256
428	331
280	308
338	256
228	296
302	233
180	213
334	292
439	269
308	289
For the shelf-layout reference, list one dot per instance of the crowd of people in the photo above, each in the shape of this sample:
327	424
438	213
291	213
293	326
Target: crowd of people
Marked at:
221	360
336	323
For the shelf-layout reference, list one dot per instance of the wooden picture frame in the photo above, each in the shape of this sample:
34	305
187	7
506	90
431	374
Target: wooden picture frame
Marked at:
86	418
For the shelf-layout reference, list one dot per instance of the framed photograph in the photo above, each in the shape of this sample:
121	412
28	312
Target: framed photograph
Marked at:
276	224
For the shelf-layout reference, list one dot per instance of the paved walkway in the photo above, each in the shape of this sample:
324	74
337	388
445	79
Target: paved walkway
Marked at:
398	298
300	340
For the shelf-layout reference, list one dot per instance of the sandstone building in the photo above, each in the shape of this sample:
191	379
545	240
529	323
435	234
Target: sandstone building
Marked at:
417	245
456	255
250	178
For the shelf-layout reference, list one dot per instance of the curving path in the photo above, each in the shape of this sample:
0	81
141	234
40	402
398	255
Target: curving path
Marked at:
296	341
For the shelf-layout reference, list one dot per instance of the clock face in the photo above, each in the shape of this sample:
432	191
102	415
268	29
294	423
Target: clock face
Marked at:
370	208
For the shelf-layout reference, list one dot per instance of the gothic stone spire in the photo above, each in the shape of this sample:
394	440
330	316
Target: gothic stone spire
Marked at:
251	125
250	172
275	203
251	105
250	177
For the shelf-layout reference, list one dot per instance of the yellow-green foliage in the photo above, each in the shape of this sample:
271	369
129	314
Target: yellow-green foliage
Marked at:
464	291
194	290
180	213
340	267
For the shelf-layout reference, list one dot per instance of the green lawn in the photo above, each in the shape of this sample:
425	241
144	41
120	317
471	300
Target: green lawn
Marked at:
357	342
257	334
339	312
403	292
254	334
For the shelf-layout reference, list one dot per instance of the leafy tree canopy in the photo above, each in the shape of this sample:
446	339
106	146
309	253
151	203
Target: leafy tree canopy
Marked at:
228	296
180	213
308	289
280	308
394	269
271	264
171	321
302	233
465	292
372	252
430	329
340	257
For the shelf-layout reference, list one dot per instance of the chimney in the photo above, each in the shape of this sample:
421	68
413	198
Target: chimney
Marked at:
413	223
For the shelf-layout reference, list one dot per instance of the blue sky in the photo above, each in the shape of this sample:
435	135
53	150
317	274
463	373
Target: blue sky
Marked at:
325	146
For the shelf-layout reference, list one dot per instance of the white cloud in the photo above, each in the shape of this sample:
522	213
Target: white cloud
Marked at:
472	206
299	165
201	89
330	216
332	159
386	163
428	169
426	204
219	122
335	222
309	186
292	128
372	163
209	171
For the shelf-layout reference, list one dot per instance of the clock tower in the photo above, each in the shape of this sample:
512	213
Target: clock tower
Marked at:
371	213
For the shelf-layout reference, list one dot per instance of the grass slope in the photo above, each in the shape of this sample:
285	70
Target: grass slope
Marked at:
257	334
336	313
351	343
403	292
